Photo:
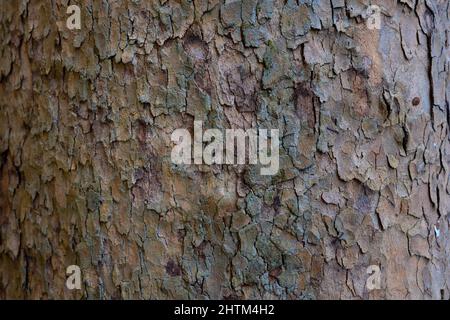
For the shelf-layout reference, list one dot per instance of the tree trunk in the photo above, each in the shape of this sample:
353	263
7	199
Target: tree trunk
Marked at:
86	176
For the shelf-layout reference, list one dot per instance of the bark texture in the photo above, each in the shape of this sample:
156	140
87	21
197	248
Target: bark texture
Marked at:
86	176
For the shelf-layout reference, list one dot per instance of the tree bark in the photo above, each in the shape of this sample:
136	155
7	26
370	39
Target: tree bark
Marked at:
86	176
